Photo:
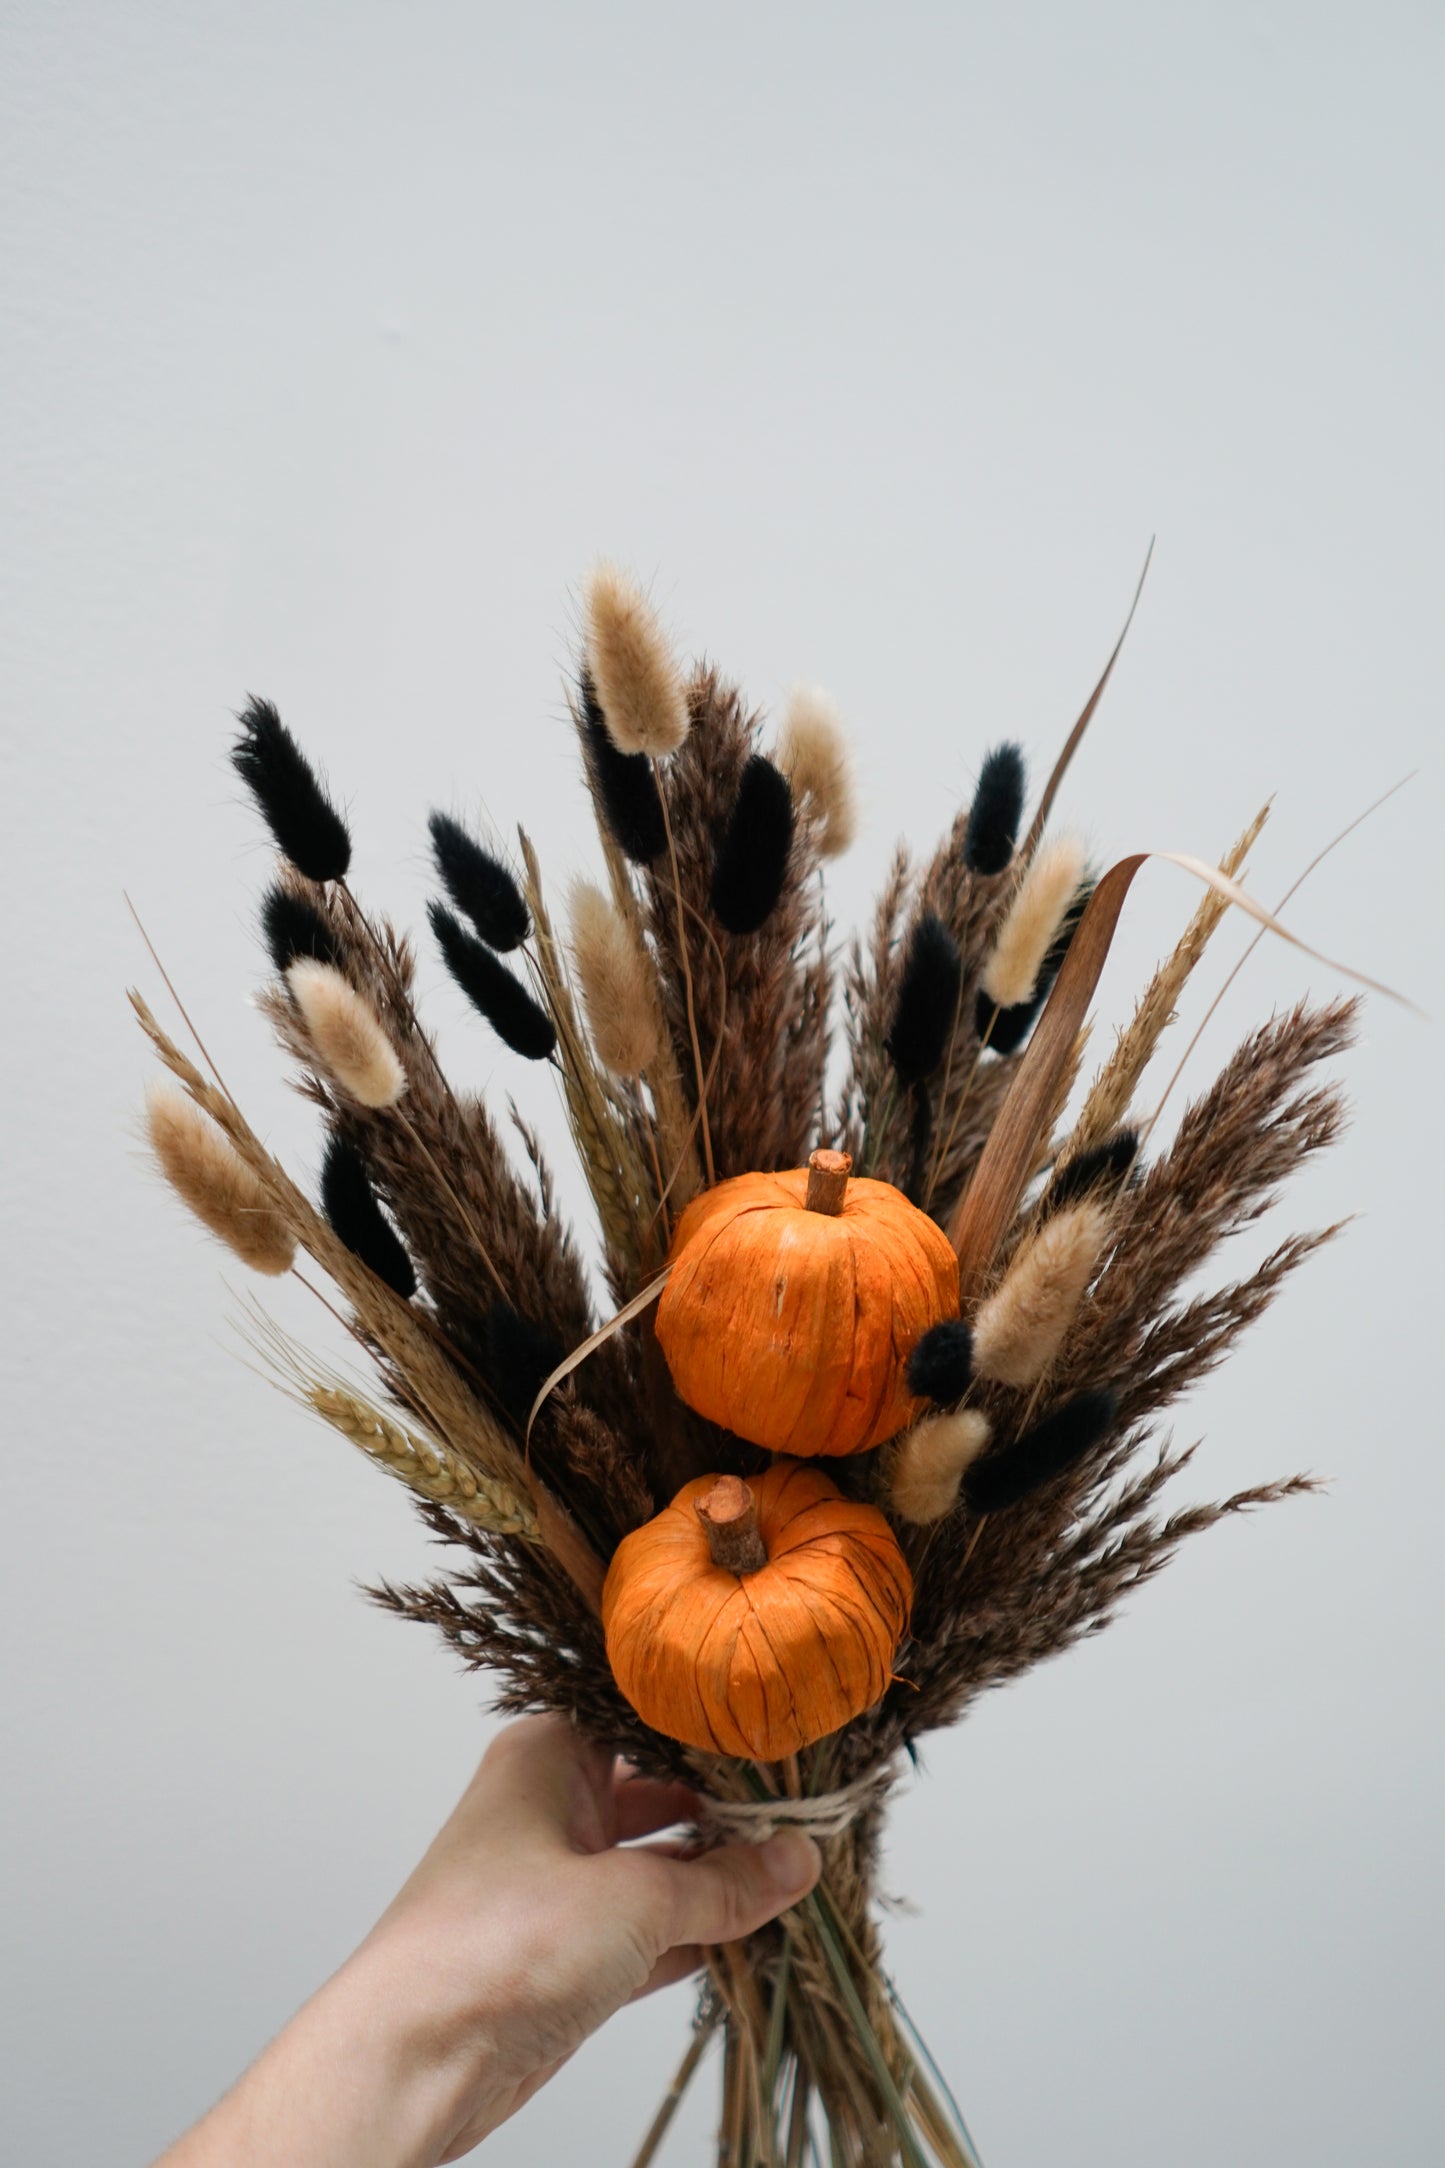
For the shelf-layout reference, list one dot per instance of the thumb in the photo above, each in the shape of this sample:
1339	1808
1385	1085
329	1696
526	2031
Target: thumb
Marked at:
723	1895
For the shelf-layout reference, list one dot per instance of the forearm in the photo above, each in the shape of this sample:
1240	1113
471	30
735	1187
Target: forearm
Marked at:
362	2077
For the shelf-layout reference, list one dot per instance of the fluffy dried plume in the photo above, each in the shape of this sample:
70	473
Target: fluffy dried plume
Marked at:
619	990
752	858
346	1034
638	683
1054	876
941	1366
219	1187
349	1202
305	824
813	754
479	884
493	991
624	788
1069	1431
1020	1328
997	809
292	927
929	1462
927	1002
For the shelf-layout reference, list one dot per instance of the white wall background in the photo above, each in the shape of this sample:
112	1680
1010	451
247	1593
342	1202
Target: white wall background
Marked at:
337	340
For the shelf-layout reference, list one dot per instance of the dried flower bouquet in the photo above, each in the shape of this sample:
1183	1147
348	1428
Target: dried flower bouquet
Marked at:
873	1423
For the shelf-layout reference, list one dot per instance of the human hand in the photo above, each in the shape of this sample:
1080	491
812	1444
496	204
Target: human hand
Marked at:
524	1927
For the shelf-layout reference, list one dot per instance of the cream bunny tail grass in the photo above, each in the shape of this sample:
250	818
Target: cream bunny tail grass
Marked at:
639	685
929	1463
619	992
813	754
1053	879
1021	1328
218	1186
346	1034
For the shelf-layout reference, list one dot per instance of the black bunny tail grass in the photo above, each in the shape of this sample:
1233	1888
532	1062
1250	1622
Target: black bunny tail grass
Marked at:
479	885
493	991
997	809
1006	1029
520	1357
927	1005
623	784
1063	1437
292	928
1107	1167
752	859
349	1202
304	823
940	1368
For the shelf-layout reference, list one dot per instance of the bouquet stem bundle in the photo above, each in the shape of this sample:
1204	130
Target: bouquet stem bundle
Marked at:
695	1012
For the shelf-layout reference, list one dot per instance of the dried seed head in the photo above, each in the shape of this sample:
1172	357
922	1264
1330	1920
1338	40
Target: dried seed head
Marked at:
927	1000
493	991
346	1034
994	816
929	1461
941	1366
1031	926
619	991
479	884
813	754
349	1202
293	927
305	824
1065	1435
624	788
752	858
638	682
1020	1329
206	1174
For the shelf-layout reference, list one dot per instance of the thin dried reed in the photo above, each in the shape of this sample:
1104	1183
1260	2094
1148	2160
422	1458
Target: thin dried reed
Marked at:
1113	1089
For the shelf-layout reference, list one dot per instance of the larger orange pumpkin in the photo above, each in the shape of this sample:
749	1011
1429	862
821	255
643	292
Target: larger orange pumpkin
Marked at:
764	1660
790	1324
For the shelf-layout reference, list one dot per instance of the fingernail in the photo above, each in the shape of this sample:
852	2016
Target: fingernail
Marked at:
791	1860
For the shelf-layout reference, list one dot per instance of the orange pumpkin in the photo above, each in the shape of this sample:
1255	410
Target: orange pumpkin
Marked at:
795	1301
753	1618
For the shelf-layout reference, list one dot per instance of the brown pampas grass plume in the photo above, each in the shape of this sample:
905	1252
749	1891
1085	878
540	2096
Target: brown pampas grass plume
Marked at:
218	1186
813	754
1047	889
638	682
346	1034
1021	1328
619	992
929	1463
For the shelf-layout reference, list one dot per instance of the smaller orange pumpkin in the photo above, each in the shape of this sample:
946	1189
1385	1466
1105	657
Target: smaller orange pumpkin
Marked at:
795	1301
753	1618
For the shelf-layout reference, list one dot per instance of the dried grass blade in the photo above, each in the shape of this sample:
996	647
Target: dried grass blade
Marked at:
1075	737
988	1205
595	1340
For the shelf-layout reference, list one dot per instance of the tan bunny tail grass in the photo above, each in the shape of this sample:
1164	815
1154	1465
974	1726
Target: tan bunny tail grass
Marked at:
1050	883
639	685
615	977
346	1034
1019	1330
217	1185
928	1462
813	754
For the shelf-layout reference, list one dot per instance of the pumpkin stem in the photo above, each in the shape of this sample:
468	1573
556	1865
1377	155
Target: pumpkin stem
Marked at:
828	1174
730	1521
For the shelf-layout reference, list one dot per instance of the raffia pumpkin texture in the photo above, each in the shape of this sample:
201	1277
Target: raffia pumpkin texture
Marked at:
790	1321
762	1661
